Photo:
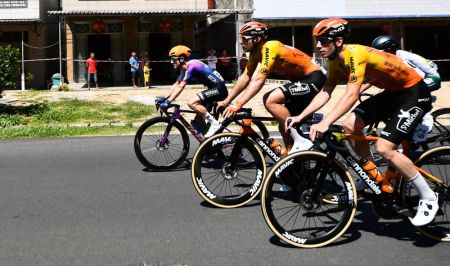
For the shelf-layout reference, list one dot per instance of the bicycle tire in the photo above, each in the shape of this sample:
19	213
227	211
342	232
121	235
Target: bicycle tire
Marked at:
282	209
436	162
440	134
222	186
148	136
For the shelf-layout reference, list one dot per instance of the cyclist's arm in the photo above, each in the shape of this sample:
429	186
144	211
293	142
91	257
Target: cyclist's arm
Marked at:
322	97
240	85
344	104
177	88
253	88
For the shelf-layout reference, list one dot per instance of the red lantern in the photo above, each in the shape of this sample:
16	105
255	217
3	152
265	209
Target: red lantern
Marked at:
98	26
165	26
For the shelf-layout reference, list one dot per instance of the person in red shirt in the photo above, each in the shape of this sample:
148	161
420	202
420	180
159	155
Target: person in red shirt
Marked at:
91	65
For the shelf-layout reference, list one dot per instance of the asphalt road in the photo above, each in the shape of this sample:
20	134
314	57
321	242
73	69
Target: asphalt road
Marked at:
88	201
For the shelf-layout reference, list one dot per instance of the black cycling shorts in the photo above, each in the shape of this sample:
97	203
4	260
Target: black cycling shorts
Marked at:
211	95
299	94
401	111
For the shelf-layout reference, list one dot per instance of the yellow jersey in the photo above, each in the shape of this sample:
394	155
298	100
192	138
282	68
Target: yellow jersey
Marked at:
384	70
281	61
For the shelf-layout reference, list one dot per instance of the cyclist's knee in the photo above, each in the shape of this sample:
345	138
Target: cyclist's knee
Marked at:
386	148
353	124
192	103
273	97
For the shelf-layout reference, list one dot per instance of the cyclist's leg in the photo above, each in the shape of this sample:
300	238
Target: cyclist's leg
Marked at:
274	101
370	111
412	104
205	100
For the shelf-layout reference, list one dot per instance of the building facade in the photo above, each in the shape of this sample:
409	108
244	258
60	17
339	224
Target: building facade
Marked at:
422	27
113	29
27	21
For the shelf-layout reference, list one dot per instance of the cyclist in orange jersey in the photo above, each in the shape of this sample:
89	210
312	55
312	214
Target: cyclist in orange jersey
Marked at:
402	104
284	62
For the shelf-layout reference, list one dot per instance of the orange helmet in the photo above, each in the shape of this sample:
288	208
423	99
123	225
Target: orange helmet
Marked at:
332	27
179	53
253	29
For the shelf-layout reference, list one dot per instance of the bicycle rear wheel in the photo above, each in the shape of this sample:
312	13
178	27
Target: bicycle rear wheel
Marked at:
228	181
298	218
440	133
157	156
436	162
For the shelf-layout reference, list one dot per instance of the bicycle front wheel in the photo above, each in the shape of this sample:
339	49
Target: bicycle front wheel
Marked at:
436	162
310	214
225	180
158	149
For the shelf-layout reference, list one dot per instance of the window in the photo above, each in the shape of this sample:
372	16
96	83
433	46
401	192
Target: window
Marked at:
13	3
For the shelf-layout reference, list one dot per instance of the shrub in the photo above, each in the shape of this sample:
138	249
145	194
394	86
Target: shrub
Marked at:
9	67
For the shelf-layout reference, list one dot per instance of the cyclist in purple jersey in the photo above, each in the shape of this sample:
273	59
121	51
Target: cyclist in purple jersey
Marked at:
195	71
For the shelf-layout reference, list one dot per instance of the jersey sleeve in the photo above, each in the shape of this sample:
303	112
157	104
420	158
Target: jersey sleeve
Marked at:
356	62
268	55
251	66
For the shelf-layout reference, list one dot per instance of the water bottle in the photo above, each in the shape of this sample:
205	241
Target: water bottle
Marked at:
371	170
389	180
277	147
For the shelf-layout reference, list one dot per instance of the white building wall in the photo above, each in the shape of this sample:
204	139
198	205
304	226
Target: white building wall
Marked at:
283	9
76	5
31	12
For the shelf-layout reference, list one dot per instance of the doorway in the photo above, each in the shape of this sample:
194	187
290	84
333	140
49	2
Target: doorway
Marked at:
159	46
101	46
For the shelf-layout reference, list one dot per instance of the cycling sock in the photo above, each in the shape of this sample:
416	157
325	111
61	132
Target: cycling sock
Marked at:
209	118
422	187
296	137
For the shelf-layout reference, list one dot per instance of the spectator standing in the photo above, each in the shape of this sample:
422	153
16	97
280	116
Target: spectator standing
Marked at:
91	65
243	62
134	64
223	64
147	70
212	59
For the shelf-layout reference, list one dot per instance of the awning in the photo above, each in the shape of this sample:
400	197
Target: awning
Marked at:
307	9
20	21
150	12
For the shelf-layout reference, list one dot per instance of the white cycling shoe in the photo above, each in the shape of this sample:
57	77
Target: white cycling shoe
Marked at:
212	130
303	145
426	211
285	188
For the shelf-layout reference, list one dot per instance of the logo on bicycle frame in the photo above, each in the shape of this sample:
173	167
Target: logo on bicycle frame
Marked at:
408	118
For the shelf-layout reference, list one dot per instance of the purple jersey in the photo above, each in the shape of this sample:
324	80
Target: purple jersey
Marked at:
199	72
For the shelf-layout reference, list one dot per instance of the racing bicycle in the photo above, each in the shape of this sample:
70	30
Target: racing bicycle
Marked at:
322	203
162	143
228	169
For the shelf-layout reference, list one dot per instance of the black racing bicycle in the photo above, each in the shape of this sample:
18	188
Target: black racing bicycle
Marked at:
228	169
162	143
322	203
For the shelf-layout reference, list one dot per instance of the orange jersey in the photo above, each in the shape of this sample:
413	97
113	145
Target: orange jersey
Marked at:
282	61
384	70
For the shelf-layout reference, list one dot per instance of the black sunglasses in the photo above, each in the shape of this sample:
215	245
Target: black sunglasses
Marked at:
324	40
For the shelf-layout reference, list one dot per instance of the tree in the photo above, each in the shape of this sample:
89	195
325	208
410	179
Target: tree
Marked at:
9	67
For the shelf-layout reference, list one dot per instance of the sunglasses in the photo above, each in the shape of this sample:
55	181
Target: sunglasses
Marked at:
324	40
245	38
173	59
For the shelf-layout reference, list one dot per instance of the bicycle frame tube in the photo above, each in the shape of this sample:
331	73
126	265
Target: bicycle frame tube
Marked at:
406	144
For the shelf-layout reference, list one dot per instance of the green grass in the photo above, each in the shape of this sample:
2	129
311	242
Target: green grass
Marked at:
51	119
61	131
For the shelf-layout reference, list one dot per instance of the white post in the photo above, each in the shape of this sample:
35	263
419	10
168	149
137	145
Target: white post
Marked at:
60	51
22	76
236	23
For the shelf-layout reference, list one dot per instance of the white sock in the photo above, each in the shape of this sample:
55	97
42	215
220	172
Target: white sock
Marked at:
296	137
425	192
209	118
